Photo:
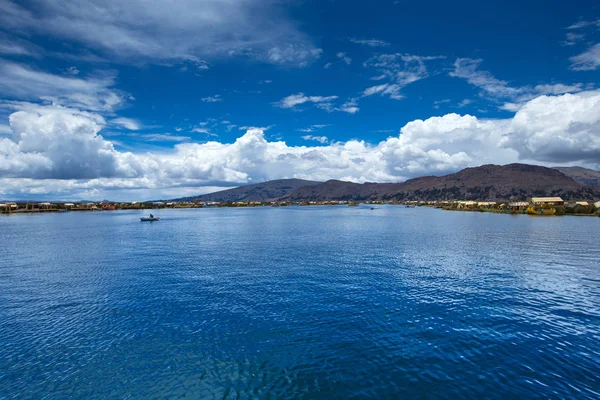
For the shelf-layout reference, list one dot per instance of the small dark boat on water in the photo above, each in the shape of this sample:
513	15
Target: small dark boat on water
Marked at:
150	218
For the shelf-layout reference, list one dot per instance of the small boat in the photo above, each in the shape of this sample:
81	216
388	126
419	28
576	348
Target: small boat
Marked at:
150	219
541	211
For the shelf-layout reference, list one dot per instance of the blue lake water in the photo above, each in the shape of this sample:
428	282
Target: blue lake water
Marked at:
299	302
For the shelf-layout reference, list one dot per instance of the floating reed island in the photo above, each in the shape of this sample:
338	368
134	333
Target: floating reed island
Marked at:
544	206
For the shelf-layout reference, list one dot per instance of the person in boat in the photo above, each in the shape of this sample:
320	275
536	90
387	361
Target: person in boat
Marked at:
151	216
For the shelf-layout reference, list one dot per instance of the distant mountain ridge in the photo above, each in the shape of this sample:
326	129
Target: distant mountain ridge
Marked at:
487	182
264	191
581	175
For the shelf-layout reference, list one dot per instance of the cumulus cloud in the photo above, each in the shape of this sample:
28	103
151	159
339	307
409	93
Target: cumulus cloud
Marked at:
61	143
65	145
557	129
186	30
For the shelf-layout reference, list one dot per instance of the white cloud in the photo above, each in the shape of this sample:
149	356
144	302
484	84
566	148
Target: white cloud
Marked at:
584	24
327	65
185	30
313	128
558	129
205	131
436	104
571	38
127	123
5	130
66	146
342	56
393	90
400	69
320	139
94	93
163	137
496	89
370	42
294	100
464	103
292	54
350	107
467	68
14	49
212	99
588	60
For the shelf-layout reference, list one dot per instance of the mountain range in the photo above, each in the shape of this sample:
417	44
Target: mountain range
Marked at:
487	182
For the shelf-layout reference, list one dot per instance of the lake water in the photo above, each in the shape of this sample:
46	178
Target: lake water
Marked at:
299	302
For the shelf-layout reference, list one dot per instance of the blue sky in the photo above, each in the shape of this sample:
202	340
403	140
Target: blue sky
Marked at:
160	99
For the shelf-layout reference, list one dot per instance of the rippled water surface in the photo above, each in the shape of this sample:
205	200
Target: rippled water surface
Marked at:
299	302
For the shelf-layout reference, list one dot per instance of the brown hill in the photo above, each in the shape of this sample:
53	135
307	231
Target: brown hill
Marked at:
265	191
488	182
581	175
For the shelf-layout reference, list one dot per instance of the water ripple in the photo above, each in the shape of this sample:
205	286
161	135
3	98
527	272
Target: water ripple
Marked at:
299	302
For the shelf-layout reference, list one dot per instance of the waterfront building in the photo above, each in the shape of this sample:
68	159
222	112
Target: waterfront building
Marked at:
548	201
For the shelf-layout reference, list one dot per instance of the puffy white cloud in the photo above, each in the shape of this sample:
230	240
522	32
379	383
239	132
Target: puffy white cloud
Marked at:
557	129
61	143
65	145
165	30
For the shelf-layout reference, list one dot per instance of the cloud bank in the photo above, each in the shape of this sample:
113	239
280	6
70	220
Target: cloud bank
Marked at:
61	150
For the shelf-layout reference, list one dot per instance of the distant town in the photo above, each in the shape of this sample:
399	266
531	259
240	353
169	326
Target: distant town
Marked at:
533	206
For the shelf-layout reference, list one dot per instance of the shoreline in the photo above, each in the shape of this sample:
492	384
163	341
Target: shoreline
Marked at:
304	204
